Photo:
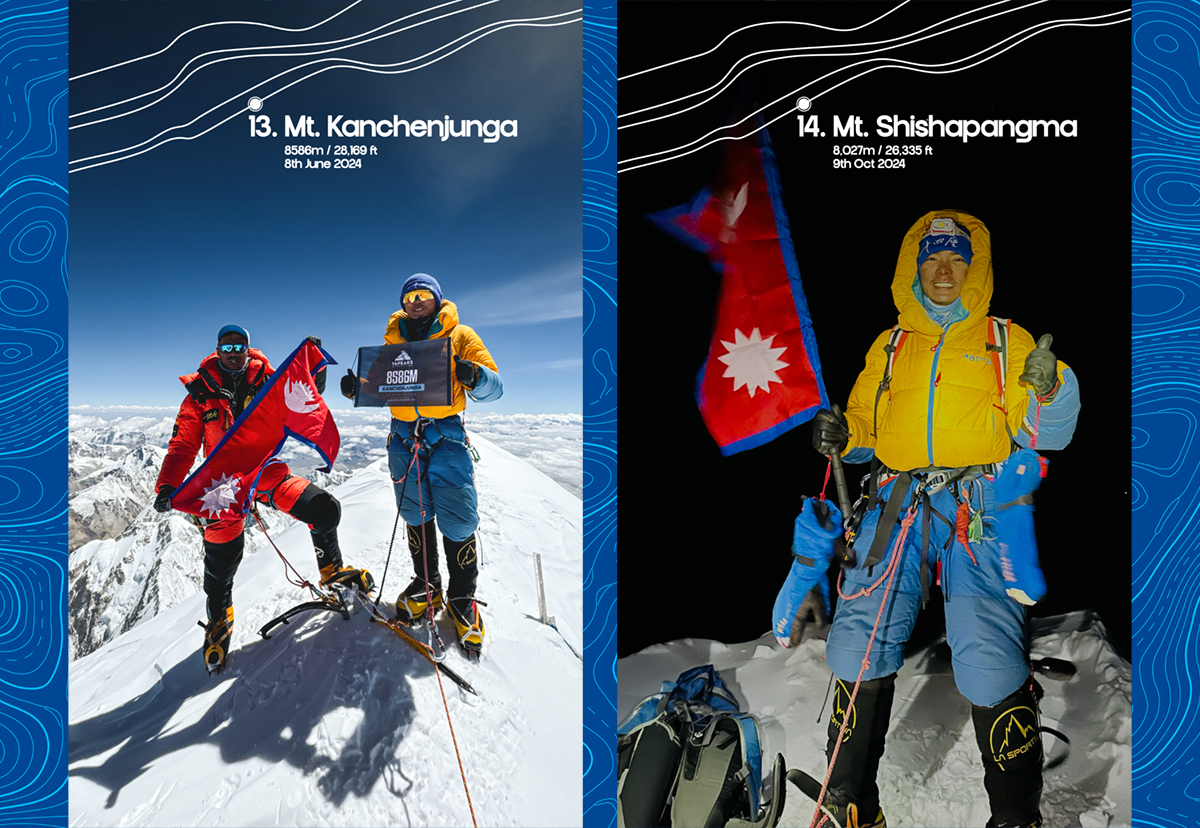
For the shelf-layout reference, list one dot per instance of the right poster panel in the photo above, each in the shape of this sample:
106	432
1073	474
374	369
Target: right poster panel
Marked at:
796	181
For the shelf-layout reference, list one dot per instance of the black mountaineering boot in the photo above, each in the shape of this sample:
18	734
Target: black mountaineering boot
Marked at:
412	603
853	796
462	561
427	555
1010	739
221	562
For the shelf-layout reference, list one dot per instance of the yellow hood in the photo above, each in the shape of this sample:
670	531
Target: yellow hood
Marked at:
977	289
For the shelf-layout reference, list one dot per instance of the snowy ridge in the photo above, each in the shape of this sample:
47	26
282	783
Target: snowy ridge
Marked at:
931	773
128	562
334	722
552	443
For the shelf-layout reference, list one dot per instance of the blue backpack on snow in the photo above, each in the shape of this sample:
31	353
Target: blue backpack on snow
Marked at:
689	756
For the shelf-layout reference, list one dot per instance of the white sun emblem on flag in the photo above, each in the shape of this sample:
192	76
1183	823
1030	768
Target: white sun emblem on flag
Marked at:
220	495
299	397
752	361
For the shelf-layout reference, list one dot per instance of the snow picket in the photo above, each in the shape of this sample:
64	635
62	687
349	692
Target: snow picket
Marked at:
335	722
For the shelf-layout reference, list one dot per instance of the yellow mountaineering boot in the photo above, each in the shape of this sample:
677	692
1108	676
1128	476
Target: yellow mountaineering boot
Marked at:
335	574
848	816
468	622
216	641
412	603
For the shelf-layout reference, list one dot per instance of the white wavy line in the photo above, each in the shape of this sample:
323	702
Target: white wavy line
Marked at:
791	110
311	63
281	89
284	46
847	54
767	23
793	49
205	26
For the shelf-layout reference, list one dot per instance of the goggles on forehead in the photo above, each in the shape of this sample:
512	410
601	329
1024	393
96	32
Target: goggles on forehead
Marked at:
236	348
419	295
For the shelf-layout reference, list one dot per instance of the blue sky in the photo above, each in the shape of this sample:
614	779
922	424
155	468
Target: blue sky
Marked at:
170	245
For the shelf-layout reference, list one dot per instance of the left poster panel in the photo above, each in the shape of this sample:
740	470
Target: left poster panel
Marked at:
287	168
33	409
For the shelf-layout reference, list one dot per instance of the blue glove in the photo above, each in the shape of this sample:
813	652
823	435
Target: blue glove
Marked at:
1019	476
817	528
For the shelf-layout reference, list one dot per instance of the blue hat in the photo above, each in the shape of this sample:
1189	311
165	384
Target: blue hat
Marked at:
234	329
421	280
944	234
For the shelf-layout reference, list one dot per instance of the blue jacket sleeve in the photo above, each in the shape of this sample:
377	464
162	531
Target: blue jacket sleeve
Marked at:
489	387
1056	423
858	454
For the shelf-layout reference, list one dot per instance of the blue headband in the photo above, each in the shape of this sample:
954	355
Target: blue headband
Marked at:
944	234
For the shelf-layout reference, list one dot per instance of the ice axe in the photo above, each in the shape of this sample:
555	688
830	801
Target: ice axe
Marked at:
839	477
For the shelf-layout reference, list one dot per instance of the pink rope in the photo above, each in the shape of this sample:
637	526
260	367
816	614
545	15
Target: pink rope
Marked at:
818	818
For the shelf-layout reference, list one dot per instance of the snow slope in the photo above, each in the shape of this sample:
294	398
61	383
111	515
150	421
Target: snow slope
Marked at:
931	773
334	722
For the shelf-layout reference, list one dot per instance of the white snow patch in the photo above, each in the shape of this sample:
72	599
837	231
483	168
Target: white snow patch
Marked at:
931	772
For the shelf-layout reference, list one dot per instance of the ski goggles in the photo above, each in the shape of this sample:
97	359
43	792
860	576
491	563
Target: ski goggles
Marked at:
235	348
419	295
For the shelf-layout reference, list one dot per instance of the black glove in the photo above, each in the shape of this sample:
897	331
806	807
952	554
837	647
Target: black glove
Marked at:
162	503
316	340
349	383
1041	368
830	432
811	620
466	371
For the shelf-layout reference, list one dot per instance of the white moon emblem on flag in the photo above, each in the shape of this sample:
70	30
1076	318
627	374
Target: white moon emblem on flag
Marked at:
752	361
299	397
220	495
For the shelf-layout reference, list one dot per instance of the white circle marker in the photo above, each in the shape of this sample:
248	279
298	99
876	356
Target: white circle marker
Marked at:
803	104
255	104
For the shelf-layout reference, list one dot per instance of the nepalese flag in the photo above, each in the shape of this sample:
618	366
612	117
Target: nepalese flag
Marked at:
287	406
762	376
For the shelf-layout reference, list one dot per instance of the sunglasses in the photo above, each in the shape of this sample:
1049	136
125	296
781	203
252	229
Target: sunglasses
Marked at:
237	348
418	296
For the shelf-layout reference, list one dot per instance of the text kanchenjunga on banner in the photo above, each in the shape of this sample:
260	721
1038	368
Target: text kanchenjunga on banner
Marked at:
411	373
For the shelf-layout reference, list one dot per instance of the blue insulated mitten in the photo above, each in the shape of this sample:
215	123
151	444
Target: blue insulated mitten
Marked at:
1020	474
807	589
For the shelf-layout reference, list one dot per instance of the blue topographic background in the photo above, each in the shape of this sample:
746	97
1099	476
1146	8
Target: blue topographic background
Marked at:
33	410
1165	409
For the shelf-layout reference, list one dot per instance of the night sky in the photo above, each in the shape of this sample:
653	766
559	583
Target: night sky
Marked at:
170	245
711	556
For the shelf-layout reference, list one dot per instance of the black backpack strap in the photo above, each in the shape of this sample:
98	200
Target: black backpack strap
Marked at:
891	513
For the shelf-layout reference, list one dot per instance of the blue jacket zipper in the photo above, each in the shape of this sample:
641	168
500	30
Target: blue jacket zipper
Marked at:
937	353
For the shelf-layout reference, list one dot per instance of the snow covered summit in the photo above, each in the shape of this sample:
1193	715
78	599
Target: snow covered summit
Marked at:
339	722
931	772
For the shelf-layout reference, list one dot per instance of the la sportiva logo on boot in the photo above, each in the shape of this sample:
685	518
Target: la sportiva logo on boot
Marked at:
1014	733
842	709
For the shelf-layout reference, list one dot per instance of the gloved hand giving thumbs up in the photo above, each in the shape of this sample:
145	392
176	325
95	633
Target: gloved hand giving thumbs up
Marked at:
1041	368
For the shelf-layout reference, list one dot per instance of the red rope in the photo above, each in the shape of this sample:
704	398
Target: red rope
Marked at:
433	629
461	772
300	580
818	818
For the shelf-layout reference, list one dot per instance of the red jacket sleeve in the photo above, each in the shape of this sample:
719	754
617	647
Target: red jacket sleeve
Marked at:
186	438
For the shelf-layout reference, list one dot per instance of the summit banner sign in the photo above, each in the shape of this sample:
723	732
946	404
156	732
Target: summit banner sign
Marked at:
411	373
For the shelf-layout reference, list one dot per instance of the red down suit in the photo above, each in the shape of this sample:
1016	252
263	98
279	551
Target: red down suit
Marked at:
214	400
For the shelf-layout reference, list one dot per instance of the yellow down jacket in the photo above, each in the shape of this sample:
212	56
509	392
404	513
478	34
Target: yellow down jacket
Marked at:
464	342
943	407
